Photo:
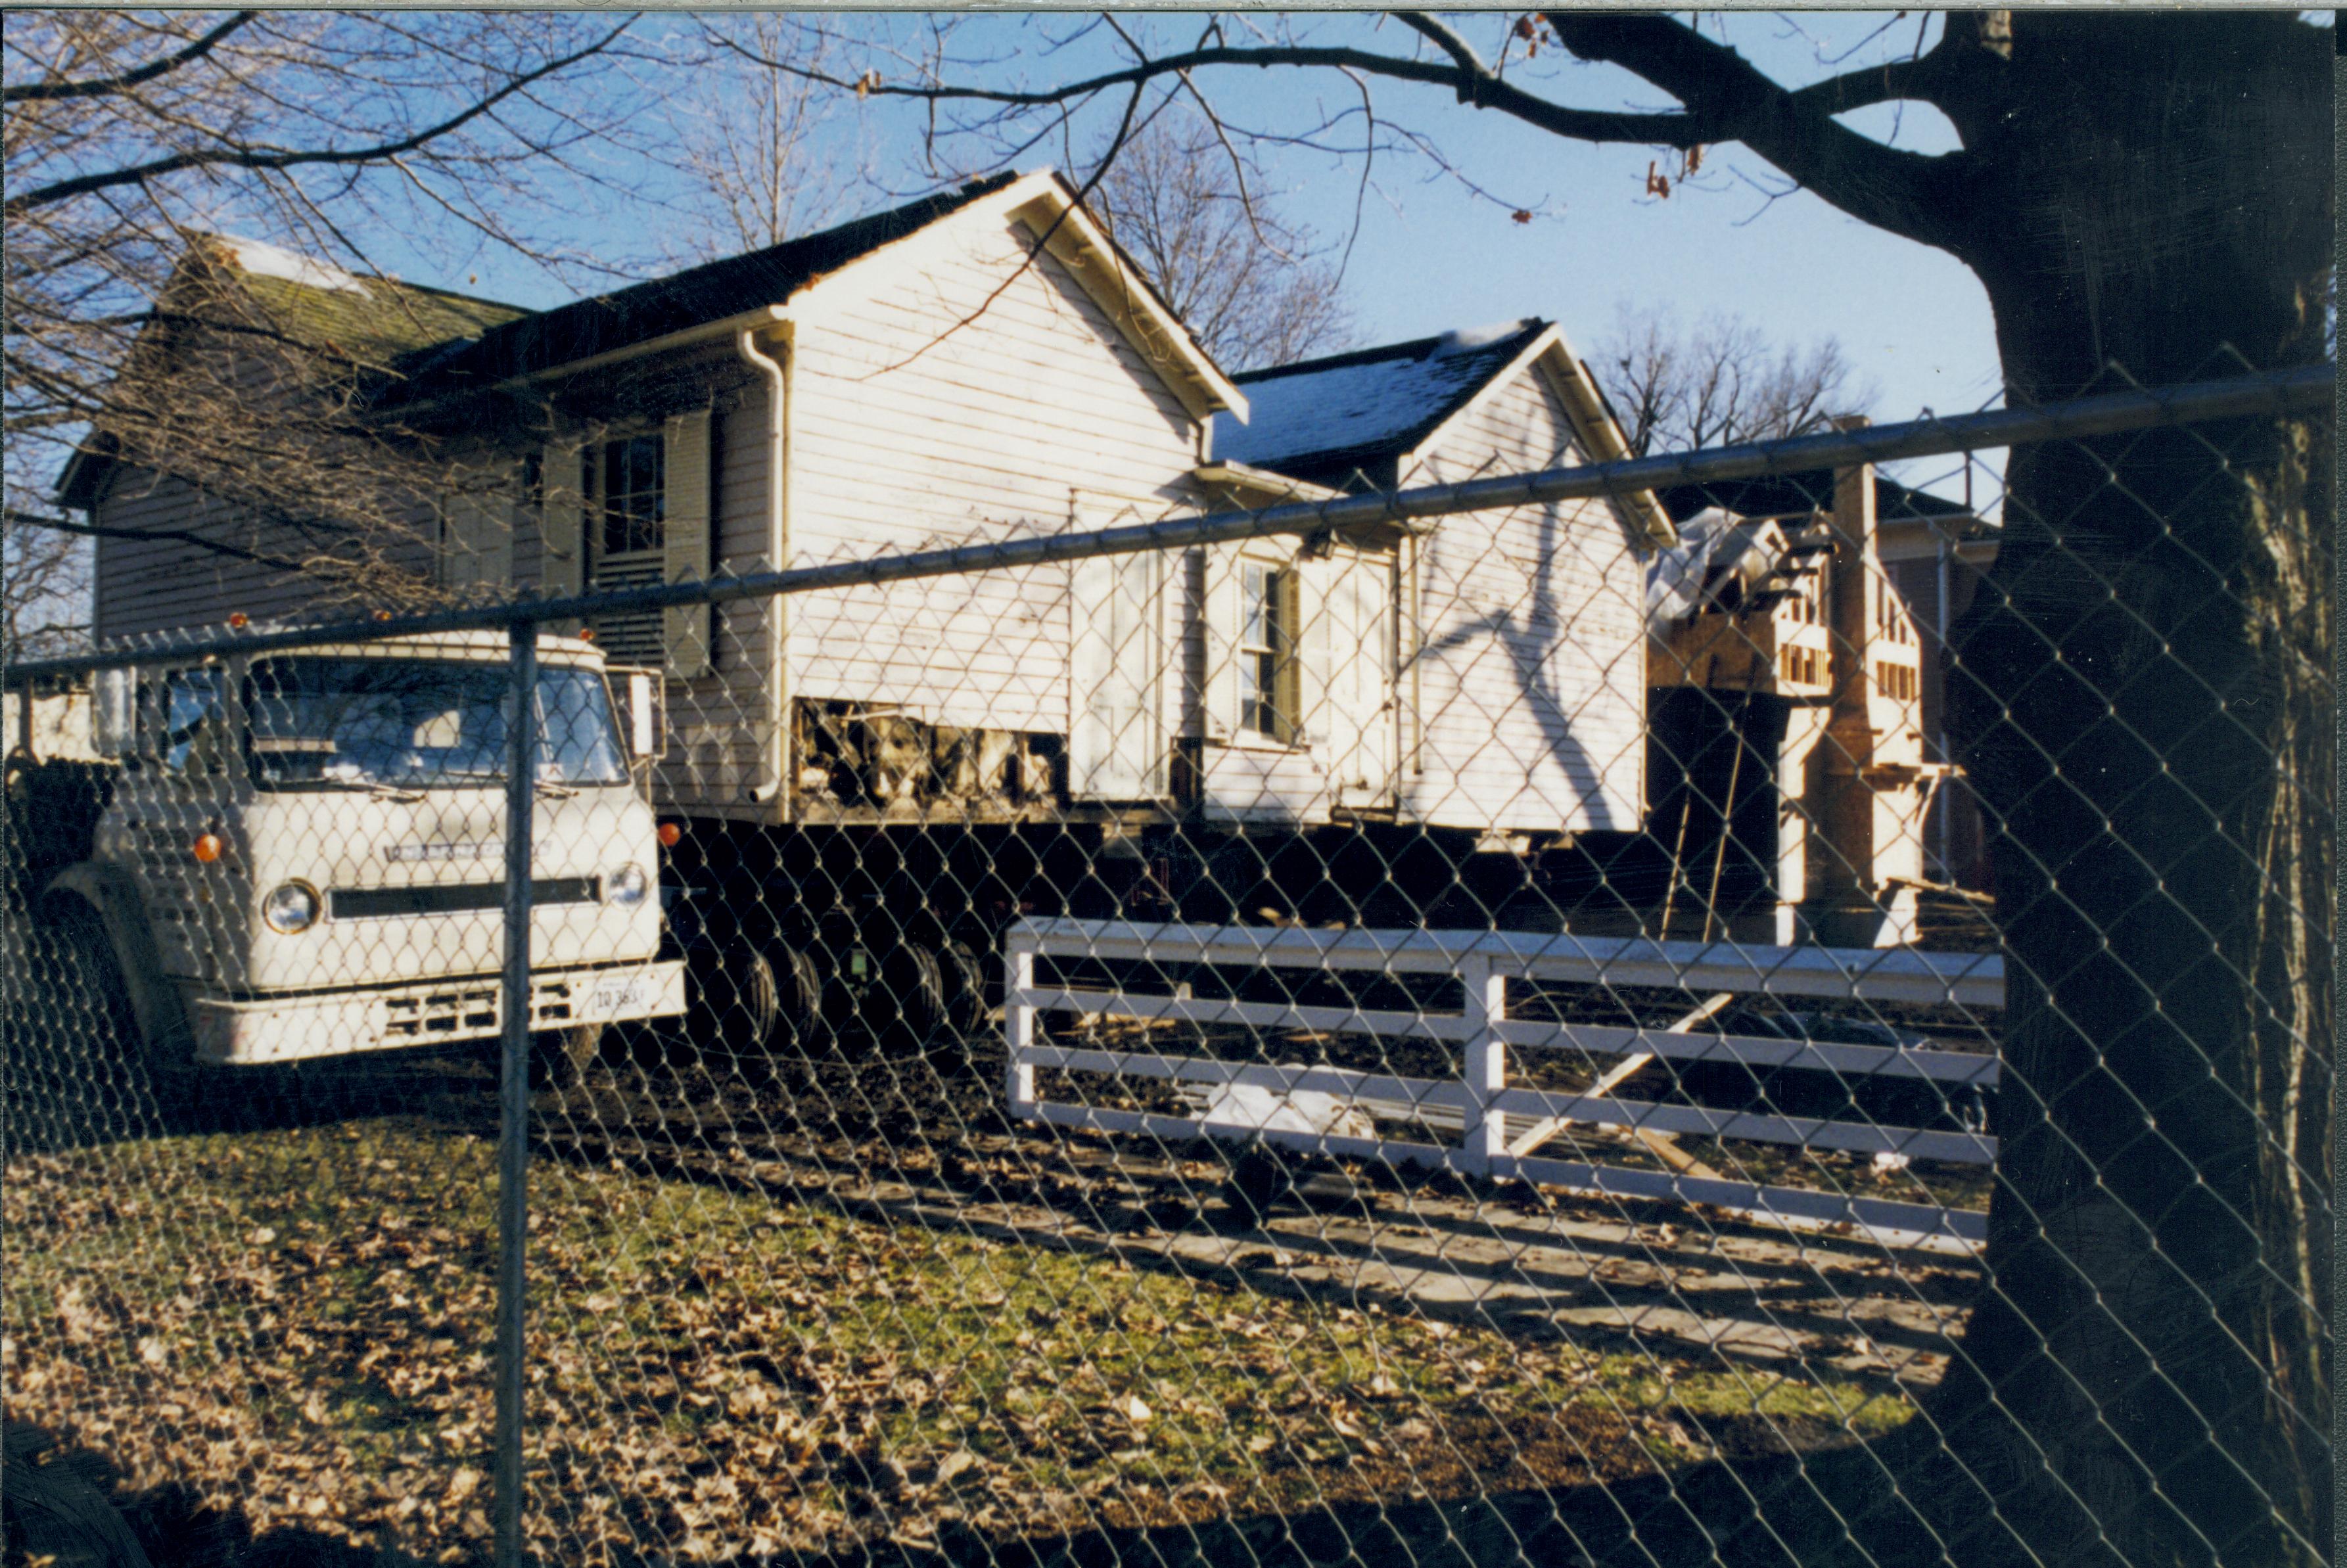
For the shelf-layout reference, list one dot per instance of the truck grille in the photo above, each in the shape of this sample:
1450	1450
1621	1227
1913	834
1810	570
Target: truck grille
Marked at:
378	903
470	1008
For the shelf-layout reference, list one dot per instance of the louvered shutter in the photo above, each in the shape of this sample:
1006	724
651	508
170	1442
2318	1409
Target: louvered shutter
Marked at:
685	540
1305	696
1221	681
1115	740
562	523
476	531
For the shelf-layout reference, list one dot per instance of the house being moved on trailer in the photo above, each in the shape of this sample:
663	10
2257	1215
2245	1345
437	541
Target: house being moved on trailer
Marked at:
987	364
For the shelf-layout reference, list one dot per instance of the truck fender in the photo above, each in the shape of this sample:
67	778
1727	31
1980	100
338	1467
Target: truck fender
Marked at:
155	1000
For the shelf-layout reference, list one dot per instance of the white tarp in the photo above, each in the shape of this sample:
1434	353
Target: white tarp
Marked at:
1713	546
1261	1110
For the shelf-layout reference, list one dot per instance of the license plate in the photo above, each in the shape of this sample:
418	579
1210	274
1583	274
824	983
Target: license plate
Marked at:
616	995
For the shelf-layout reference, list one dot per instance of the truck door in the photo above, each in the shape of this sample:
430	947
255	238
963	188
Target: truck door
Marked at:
1361	715
1116	673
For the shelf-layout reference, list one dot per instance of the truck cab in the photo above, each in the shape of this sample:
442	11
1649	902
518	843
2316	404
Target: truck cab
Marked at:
303	855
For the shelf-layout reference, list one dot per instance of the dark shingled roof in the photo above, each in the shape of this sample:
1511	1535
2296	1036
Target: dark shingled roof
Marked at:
367	320
675	303
1328	420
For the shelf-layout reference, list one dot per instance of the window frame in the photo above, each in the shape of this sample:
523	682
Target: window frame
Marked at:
203	754
601	513
1269	670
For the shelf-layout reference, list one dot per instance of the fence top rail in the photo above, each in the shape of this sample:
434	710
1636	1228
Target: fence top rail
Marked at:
2274	393
1881	974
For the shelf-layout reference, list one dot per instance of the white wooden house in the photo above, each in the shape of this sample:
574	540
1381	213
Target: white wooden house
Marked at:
980	364
1512	695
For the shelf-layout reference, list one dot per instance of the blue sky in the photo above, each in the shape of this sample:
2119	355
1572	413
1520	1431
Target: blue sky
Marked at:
1429	254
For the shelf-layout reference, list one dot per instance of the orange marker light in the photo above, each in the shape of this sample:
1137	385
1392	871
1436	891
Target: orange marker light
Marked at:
237	619
669	833
208	848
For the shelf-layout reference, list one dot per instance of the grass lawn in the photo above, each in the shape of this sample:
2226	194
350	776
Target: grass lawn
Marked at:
298	1325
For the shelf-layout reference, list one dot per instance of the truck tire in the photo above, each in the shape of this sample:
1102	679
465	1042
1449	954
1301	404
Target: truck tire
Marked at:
560	1057
98	1032
731	1005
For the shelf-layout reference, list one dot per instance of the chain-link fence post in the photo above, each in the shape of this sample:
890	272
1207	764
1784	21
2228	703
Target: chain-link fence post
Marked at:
513	1086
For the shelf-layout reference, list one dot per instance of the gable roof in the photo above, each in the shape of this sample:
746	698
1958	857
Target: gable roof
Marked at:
434	343
1354	418
694	297
1323	419
646	313
364	319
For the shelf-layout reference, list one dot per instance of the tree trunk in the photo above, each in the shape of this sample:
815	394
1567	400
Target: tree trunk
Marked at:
2143	695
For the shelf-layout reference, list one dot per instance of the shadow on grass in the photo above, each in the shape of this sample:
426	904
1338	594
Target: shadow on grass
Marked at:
1835	1508
64	1510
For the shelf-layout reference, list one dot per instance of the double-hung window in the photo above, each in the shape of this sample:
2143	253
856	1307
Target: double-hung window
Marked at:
1266	652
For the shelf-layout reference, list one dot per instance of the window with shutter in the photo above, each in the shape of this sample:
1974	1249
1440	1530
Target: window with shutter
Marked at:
626	495
644	514
1269	670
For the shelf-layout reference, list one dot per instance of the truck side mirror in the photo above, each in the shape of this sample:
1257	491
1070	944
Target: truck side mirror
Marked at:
643	713
114	712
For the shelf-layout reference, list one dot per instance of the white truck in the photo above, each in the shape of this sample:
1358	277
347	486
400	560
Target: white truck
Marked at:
303	852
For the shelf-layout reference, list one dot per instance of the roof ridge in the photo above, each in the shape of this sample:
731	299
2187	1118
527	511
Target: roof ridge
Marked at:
1413	348
594	322
968	189
238	258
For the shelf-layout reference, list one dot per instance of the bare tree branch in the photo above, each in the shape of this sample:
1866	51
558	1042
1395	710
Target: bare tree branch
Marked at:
278	160
49	92
1178	199
1487	92
177	536
1904	193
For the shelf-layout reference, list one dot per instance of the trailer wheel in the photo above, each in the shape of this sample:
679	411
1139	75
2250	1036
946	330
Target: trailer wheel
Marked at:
965	978
798	984
914	978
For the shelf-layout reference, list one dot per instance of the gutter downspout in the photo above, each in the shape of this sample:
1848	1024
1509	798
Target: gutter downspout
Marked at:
778	704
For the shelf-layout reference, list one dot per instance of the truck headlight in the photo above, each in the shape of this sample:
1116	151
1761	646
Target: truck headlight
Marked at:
627	886
291	909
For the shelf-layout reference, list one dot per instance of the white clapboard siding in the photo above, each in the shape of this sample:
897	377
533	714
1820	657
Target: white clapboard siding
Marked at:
940	405
1527	685
147	586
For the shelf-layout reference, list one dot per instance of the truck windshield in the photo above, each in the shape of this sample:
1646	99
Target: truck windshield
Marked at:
418	722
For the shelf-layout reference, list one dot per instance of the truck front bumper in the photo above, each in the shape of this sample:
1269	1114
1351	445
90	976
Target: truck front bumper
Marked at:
304	1024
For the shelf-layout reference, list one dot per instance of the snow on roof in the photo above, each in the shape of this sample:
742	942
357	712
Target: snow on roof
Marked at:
1333	414
264	261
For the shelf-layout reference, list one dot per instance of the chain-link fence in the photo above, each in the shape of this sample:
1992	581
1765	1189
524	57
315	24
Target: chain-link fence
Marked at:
1712	1008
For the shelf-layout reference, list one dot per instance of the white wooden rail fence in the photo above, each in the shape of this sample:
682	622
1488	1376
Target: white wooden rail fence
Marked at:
1479	1102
